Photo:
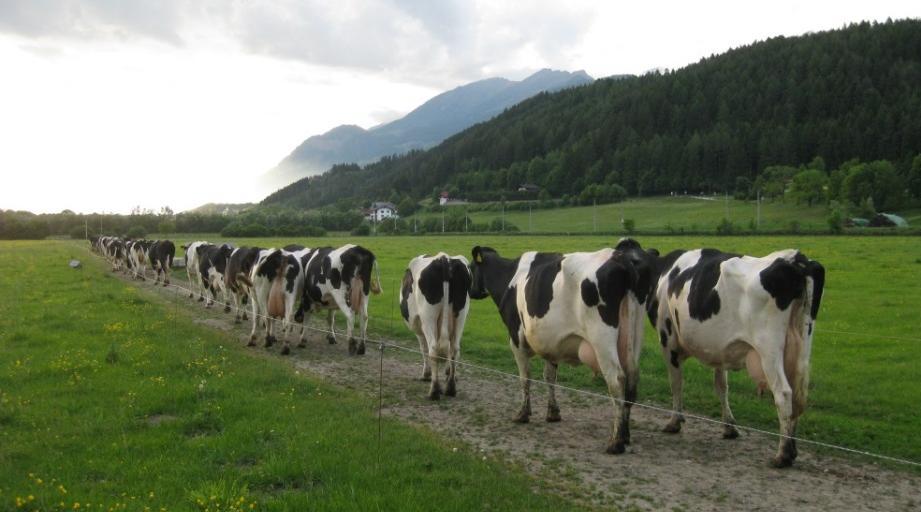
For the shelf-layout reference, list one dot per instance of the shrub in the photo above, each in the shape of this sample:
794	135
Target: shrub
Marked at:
363	229
78	233
836	219
237	228
629	225
725	227
136	232
166	227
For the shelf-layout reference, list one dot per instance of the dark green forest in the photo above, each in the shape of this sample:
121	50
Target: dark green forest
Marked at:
740	122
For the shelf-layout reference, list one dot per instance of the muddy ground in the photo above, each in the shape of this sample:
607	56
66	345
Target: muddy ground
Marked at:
693	470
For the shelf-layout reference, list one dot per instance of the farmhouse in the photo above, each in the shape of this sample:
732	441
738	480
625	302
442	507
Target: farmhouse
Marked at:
380	211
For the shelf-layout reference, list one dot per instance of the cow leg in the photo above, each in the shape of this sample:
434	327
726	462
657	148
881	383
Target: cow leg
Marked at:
431	337
363	325
523	360
252	335
673	362
236	307
331	335
616	380
721	383
225	293
349	327
424	350
451	370
191	281
553	410
783	399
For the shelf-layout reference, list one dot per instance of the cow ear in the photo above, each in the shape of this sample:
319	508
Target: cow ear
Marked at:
477	255
653	252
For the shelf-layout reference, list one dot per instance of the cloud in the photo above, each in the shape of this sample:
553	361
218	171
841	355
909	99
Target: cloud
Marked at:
433	43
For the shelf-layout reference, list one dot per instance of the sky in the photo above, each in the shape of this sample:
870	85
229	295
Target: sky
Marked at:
106	105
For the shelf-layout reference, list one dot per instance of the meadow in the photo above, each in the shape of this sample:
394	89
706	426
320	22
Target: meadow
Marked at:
111	398
659	214
112	401
865	359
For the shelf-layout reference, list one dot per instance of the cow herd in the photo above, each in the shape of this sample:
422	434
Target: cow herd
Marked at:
728	311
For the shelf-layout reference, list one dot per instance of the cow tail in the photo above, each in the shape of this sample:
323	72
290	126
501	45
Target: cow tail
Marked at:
446	320
276	302
798	343
376	281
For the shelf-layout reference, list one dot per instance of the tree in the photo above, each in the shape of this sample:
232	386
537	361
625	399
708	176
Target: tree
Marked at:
914	178
809	187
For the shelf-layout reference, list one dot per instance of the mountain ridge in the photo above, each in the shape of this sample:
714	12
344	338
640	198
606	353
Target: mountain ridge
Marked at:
425	126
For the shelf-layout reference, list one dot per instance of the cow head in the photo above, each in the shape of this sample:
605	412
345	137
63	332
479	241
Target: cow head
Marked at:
478	285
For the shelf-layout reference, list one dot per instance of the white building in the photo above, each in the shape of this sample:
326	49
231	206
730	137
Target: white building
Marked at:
380	211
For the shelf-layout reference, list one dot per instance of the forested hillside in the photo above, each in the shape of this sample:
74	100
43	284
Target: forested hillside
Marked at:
712	126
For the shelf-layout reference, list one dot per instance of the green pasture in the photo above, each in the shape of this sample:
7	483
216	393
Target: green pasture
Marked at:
112	401
660	214
866	352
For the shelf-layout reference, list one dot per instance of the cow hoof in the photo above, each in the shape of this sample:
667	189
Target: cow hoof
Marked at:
730	432
330	339
285	350
617	447
299	318
426	377
673	426
226	309
451	389
251	343
361	349
245	317
201	299
781	461
302	344
191	295
435	393
553	415
269	340
236	319
353	346
523	417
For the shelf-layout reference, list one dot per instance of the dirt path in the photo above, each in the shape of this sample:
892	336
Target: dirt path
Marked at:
694	470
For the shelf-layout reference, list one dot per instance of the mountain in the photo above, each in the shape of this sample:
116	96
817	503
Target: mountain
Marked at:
221	208
711	126
427	125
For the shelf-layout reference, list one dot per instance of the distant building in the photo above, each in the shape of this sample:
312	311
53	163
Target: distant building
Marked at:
380	211
445	200
528	187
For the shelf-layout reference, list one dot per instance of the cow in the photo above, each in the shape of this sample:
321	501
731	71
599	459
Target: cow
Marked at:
191	268
277	280
340	279
732	311
160	254
434	302
137	257
212	260
116	253
581	307
237	278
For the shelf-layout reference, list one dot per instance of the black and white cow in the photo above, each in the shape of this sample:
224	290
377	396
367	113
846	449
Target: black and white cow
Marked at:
160	254
732	311
212	260
191	268
583	307
137	257
277	282
237	278
434	302
116	252
340	279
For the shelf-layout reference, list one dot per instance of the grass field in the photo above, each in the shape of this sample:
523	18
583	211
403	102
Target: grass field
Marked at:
667	215
661	214
865	353
109	401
